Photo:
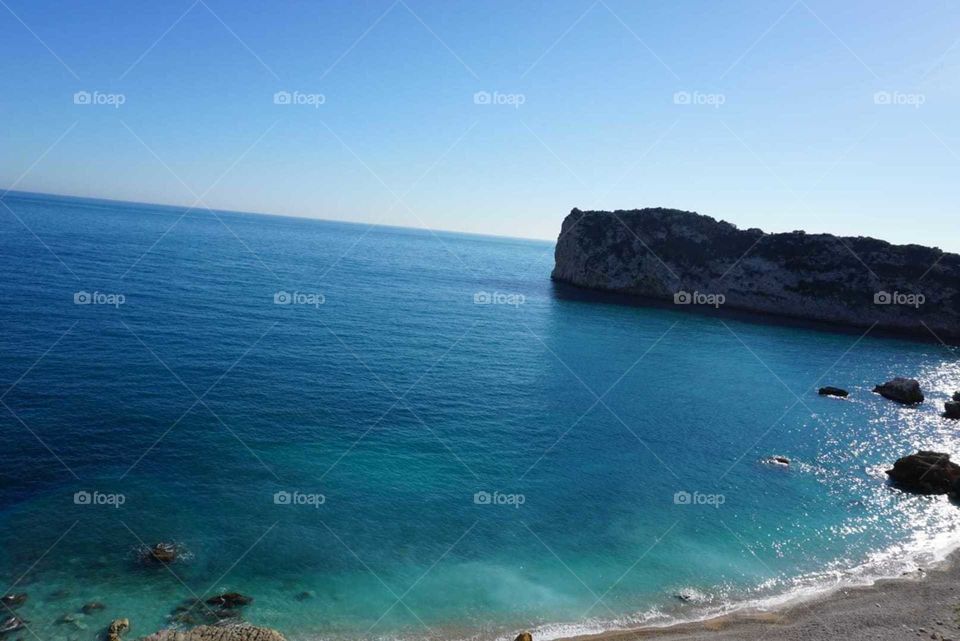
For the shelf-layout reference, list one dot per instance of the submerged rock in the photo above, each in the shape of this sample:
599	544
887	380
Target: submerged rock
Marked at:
240	632
161	553
116	628
833	391
12	624
230	600
690	595
925	473
951	409
93	606
305	595
902	390
215	610
14	600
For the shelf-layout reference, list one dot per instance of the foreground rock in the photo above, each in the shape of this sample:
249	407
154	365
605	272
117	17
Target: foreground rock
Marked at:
833	391
116	628
241	632
901	390
925	473
661	253
524	636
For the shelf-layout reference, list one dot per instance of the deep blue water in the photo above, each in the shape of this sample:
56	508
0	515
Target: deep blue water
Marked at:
398	399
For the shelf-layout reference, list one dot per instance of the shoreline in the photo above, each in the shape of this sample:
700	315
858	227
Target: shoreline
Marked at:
923	603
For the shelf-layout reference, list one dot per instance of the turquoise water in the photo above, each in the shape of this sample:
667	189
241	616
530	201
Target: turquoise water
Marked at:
386	397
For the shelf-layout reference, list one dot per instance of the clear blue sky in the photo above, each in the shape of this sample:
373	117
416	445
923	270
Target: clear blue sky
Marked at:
799	141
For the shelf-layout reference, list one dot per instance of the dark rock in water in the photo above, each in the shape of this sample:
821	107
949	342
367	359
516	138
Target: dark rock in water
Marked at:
12	624
690	595
14	600
161	553
901	390
116	628
956	397
93	606
683	258
777	460
305	595
56	595
230	600
214	610
833	391
951	409
925	473
524	636
240	632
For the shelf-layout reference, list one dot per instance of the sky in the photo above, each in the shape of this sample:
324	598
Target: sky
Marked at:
494	117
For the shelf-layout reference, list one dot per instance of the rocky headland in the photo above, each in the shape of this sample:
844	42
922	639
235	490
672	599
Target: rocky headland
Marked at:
694	260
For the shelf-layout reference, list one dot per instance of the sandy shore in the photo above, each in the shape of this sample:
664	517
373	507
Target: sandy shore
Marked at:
923	604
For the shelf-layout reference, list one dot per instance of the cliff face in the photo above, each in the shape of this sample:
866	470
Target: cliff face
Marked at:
693	260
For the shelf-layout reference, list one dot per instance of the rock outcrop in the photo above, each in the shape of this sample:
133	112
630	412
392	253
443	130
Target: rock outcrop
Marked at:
241	632
925	473
683	257
833	391
902	390
951	409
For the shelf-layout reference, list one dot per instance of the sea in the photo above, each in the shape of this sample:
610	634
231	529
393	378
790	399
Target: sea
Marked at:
391	433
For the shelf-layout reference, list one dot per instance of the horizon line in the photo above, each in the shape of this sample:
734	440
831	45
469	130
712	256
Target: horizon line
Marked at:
423	228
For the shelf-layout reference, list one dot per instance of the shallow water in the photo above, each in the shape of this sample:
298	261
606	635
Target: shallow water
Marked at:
396	401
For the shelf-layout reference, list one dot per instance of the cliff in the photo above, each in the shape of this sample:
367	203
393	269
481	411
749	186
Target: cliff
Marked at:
694	260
